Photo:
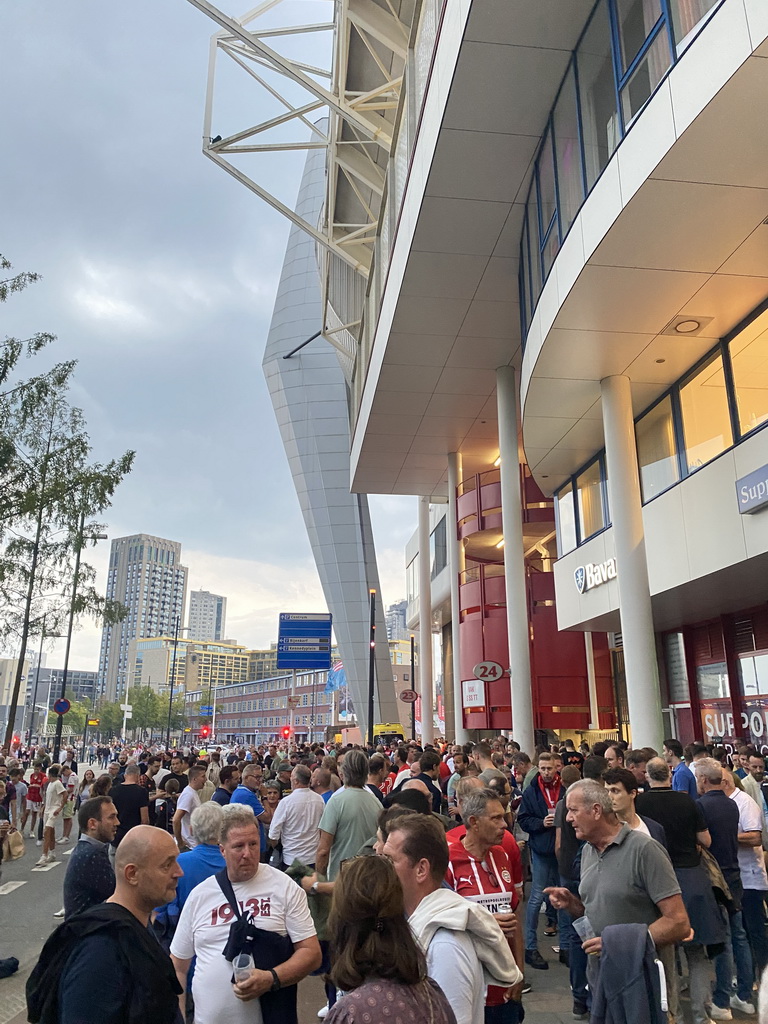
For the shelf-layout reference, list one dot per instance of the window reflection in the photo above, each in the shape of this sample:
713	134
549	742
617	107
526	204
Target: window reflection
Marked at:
749	362
566	521
686	18
570	185
656	450
712	681
704	410
600	118
636	20
589	498
646	76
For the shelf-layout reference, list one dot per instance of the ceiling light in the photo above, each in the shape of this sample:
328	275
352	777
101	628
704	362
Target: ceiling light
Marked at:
497	461
501	543
687	326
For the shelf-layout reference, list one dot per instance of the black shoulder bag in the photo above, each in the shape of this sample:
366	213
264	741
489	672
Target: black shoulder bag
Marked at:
268	949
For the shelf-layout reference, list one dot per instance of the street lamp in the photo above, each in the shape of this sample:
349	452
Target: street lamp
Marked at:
43	636
176	632
70	628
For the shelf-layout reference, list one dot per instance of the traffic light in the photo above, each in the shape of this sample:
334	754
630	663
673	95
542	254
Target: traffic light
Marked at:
205	732
286	732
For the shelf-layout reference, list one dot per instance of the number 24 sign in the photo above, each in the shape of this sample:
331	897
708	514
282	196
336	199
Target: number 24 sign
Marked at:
489	671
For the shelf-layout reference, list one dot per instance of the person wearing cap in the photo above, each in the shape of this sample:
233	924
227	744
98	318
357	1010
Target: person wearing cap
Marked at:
283	777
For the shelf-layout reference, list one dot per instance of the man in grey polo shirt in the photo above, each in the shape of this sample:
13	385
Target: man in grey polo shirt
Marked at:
626	877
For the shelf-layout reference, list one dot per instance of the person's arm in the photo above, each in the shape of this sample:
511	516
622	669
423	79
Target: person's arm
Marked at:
704	838
558	834
178	817
323	852
673	925
305	959
144	815
563	899
182	970
750	838
62	802
324	888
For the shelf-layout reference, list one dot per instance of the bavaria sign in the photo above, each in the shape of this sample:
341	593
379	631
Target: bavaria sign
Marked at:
594	574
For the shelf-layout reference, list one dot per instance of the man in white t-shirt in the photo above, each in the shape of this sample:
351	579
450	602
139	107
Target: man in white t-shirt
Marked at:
55	798
189	800
275	903
296	819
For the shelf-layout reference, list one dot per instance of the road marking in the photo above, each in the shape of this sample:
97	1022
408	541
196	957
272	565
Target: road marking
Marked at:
67	852
9	887
47	867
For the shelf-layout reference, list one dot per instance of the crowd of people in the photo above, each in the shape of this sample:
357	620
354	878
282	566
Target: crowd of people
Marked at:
416	881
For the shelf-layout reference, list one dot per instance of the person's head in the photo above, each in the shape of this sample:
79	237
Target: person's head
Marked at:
521	764
98	818
229	778
377	769
122	759
698	751
428	763
401	758
418	849
387	817
16	774
419	785
146	869
502	789
206	822
635	761
177	764
546	765
593	767
240	842
354	769
369	929
466	786
756	766
589	810
197	774
172	787
102	785
54	771
284	772
301	777
272	793
251	777
154	765
729	782
321	780
113	769
482	754
614	755
621	786
483	816
658	772
709	775
132	774
414	799
89	776
569	775
741	760
673	752
460	764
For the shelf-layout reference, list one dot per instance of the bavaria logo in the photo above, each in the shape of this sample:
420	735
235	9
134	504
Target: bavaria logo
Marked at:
594	574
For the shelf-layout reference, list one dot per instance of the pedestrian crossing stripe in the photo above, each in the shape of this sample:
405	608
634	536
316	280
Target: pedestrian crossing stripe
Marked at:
67	852
9	887
47	867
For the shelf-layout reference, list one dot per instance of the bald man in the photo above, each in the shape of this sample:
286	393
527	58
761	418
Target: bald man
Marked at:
105	964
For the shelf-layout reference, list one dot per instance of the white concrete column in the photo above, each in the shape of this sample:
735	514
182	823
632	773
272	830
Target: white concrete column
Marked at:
641	666
594	710
456	566
425	626
514	561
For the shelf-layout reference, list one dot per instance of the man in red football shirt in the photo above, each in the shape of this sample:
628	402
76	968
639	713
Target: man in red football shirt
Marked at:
479	870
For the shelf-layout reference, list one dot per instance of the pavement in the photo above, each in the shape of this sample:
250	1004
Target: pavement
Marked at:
29	897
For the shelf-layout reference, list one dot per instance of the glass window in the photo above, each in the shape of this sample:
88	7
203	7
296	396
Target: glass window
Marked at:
589	498
546	171
646	76
712	681
600	120
749	363
677	673
438	557
570	185
534	244
686	18
656	453
753	673
704	409
412	580
566	520
636	20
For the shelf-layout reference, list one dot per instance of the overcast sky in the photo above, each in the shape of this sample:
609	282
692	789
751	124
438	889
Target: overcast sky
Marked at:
159	276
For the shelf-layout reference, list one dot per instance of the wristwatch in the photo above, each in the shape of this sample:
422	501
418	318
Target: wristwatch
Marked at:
276	980
313	887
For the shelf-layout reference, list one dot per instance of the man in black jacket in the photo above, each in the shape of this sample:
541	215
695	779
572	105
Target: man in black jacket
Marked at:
104	964
90	879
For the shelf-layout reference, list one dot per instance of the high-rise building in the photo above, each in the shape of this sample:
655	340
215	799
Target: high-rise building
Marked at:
146	575
207	616
395	618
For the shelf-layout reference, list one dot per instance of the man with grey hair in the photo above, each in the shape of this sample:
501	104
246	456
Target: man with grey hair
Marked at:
626	877
349	819
296	818
273	903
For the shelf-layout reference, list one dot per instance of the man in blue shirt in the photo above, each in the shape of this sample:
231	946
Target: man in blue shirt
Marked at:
247	793
229	780
683	779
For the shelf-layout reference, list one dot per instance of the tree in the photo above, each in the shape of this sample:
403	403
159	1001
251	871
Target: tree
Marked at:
50	496
147	708
110	718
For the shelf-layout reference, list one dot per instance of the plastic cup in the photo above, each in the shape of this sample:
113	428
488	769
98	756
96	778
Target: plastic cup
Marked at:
583	928
242	966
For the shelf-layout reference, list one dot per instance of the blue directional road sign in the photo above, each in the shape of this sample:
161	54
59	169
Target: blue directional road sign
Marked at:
304	640
205	709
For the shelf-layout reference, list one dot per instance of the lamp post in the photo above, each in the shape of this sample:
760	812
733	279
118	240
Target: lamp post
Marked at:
176	631
70	628
371	668
413	686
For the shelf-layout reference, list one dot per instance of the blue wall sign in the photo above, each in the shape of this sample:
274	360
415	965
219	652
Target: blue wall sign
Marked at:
752	491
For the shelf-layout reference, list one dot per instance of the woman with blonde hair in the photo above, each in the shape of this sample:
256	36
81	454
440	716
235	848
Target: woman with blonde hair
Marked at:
375	958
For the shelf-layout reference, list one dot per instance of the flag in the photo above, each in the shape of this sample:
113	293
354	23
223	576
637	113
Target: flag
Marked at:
337	678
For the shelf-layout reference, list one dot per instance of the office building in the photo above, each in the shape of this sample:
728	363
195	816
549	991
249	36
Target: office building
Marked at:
207	616
146	575
8	669
198	663
544	231
81	683
395	617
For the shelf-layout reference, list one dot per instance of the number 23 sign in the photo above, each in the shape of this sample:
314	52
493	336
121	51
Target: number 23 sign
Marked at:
488	671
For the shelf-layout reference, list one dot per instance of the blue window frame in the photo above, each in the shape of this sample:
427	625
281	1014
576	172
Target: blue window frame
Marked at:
624	52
